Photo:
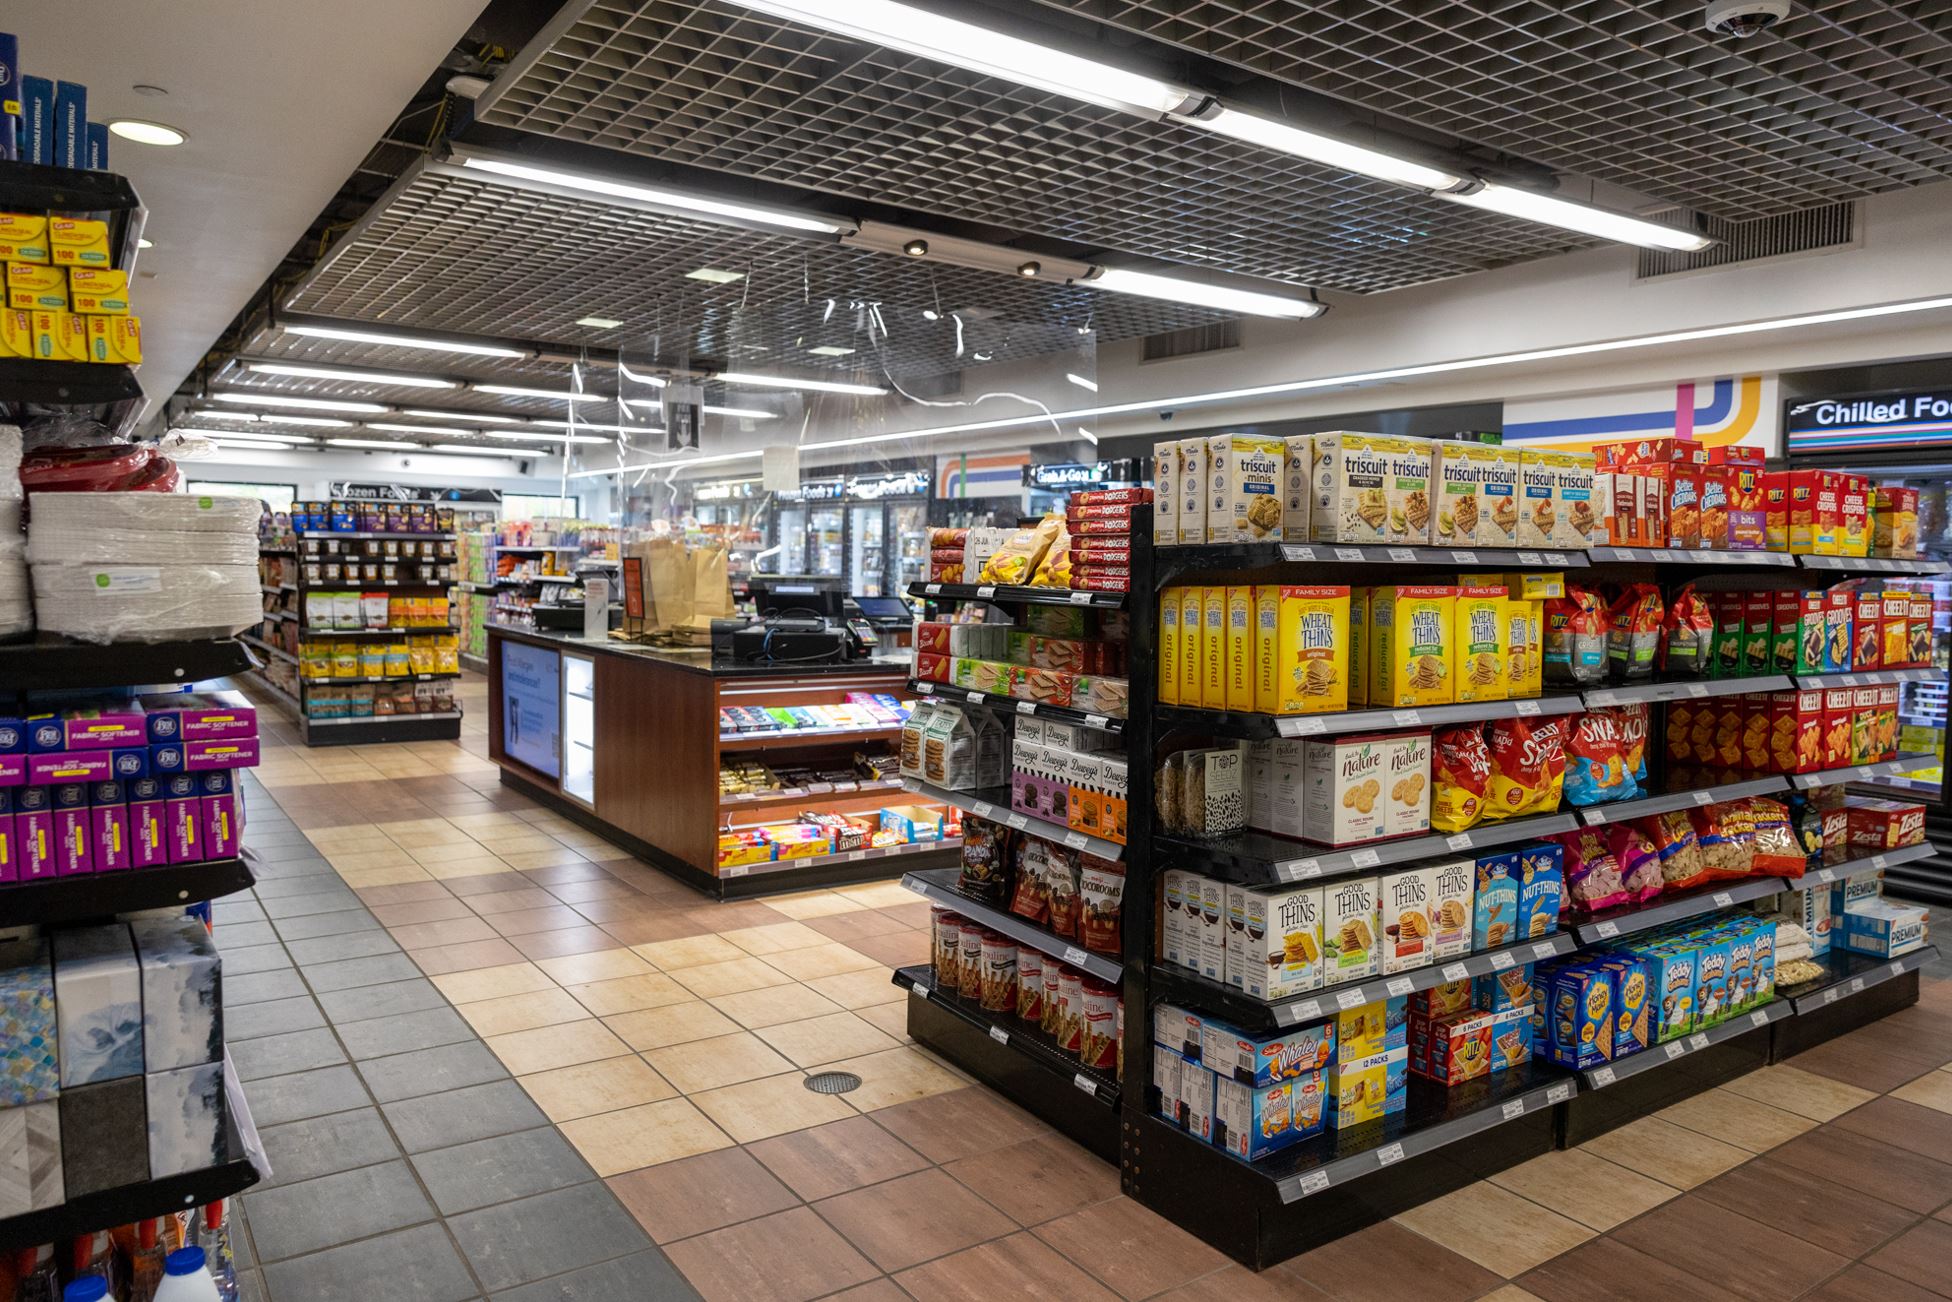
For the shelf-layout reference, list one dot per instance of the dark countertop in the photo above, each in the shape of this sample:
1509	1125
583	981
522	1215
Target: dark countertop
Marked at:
701	662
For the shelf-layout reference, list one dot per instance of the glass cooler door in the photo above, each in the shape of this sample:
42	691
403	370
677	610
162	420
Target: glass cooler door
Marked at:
579	730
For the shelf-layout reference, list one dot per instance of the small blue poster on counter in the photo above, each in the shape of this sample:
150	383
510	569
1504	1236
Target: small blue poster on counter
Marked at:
532	707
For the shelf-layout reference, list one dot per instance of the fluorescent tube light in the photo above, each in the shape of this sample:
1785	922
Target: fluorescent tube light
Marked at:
305	404
473	450
787	382
714	276
965	45
1530	205
307	422
352	377
252	445
533	435
598	322
392	340
1087	436
518	391
1222	298
1286	138
1081	382
831	350
391	445
657	196
473	417
256	435
422	429
655	381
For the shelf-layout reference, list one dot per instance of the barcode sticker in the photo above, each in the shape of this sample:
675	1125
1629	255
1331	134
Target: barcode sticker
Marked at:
1723	899
1514	1109
1502	960
1544	949
986	591
1558	1092
933	589
1313	1182
1528	558
1074	956
1000	1035
1026	707
1675	1049
1347	999
1462	841
1454	972
1402	554
1365	859
1081	598
1407	718
1606	930
1464	558
1526	709
1400	986
1697	1041
1348	553
1086	1084
1389	1154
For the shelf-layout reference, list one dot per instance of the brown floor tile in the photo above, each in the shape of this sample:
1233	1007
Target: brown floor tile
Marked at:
772	1105
890	1017
1726	1248
694	1195
548	1047
646	1135
430	910
584	889
588	1088
680	1023
1877	1063
714	979
878	1290
1917	1129
469	885
1820	1098
1134	1251
629	994
1585	1187
896	949
465	957
1239	1284
913	1218
451	931
730	915
1666	1152
832	1159
914	914
1861	1283
850	927
1807	1206
723	1060
1629	1276
492	982
772	1005
525	922
790	1256
1868	1166
1017	1266
1038	1179
1528	1235
1744	1122
961	1123
650	928
868	988
1922	1256
522	1012
567	942
522	897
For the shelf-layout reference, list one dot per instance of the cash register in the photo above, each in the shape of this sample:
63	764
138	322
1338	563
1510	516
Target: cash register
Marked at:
798	621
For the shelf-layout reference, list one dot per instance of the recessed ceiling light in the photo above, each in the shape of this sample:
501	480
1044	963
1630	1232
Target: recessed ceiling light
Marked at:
1029	269
788	382
257	436
396	379
598	322
655	196
305	404
831	350
472	417
147	133
916	248
392	340
144	244
714	276
420	429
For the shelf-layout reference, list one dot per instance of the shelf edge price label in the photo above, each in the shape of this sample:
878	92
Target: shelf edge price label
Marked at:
1298	870
1502	960
1513	1110
1528	558
1000	1035
1403	554
1086	1084
1313	1182
1297	553
1074	956
1758	1018
986	591
1704	798
1558	1091
1076	840
1555	558
1307	1010
1543	950
856	855
1601	699
1723	899
735	870
1081	598
1389	1154
1596	816
1311	727
1348	553
1606	930
1400	986
1674	1049
1896	969
1697	690
1526	709
925	689
1856	985
1348	999
982	809
1097	720
1830	995
1365	859
1602	1077
1464	558
1878	862
1623	553
919	990
1407	718
1026	707
1462	841
1455	972
1017	821
933	589
1698	1041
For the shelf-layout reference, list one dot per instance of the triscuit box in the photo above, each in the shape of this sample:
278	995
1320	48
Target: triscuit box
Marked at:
1538	511
1192	490
1248	484
1351	931
1576	520
1411	653
1480	643
1298	501
1165	493
1371	488
1477	494
1311	650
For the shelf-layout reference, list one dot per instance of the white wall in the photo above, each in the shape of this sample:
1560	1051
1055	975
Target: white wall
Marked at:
312	472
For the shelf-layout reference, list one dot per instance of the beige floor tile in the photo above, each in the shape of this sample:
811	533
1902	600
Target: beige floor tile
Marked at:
1734	1119
629	994
1932	1090
512	1013
592	1087
772	1005
654	1028
880	895
615	1142
760	1109
897	1076
358	837
447	931
474	823
814	904
821	960
723	1060
360	878
1669	1153
548	856
479	865
1510	1293
350	860
598	965
1495	1228
1803	1092
690	951
866	988
818	1040
564	1045
775	938
891	1018
492	982
432	852
714	979
1586	1188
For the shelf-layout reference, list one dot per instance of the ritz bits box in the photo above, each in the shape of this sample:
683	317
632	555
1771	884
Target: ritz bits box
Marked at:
1371	488
1747	527
1412	653
1302	649
1477	494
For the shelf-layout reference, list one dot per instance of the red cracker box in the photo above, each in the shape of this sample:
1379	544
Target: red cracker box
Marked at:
1874	825
1716	481
1730	718
1758	631
1747	513
932	638
931	668
1895	617
1921	628
1836	727
1827	527
1636	494
1854	514
1887	722
1810	606
1863	725
1867	630
1796	730
1775	510
1451	1049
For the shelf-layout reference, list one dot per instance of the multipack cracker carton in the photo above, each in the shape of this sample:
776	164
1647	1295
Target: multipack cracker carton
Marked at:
1309	648
1247	485
1452	1049
1371	488
1264	1059
1747	521
1372	1028
1477	494
1351	931
1362	1090
1412	652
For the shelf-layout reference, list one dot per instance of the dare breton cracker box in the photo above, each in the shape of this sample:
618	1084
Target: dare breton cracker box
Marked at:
1165	493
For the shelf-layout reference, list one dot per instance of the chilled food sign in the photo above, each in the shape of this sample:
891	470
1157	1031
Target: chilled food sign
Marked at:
1898	421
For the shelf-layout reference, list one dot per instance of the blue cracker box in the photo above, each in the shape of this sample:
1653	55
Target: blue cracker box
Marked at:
1581	1017
1178	1029
1265	1059
1252	1121
1885	928
1765	964
1670	990
1511	1038
1494	919
1541	888
1514	987
13	735
1631	1010
1741	970
30	1067
1713	958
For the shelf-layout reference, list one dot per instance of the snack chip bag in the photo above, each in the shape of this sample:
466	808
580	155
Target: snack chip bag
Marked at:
1727	840
1633	632
1779	850
1528	766
1461	769
1594	882
1640	862
1017	559
1632	721
1673	838
1054	570
1688	635
1575	637
1596	765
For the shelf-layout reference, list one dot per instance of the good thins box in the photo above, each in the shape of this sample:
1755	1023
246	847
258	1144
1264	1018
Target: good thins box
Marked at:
1477	494
1371	488
1248	485
1309	654
1274	940
1411	654
1351	931
1480	643
1451	908
1407	897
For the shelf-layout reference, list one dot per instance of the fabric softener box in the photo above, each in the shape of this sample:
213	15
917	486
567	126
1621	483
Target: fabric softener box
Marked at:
108	826
189	716
74	840
148	838
182	1006
183	818
9	847
34	832
98	987
223	821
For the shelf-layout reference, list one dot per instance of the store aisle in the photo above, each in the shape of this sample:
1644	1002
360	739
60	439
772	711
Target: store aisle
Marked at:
493	1057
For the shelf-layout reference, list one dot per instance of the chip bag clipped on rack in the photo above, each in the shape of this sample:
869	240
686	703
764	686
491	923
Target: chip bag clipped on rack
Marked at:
1596	763
1528	766
1687	635
1017	559
1575	637
1460	769
1633	632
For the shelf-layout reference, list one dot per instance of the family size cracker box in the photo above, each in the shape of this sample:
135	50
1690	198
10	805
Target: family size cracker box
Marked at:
1477	494
1310	648
1412	653
1371	488
1247	484
1480	644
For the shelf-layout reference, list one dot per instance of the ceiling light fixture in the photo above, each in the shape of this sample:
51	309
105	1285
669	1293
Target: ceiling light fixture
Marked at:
1222	298
391	378
1081	382
518	435
255	399
253	445
147	133
470	450
422	429
303	440
431	414
519	391
392	340
788	382
714	276
916	248
391	445
308	422
655	196
1285	138
1029	270
144	244
1550	210
598	322
831	350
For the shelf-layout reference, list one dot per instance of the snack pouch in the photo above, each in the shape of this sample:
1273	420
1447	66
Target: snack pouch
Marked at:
1779	850
1687	636
1593	879
1054	570
1725	852
1461	771
1673	837
1640	863
1596	766
1632	721
1575	637
1528	766
1017	559
1633	632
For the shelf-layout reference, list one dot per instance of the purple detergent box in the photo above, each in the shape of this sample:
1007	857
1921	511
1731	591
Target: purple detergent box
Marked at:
220	826
207	753
148	841
34	832
183	819
189	716
108	826
9	850
13	771
70	766
74	841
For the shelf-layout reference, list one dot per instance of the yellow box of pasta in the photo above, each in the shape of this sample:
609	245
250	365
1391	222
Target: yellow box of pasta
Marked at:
1412	653
1312	650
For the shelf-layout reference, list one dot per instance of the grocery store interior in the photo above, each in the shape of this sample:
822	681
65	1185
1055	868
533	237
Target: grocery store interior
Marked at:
769	650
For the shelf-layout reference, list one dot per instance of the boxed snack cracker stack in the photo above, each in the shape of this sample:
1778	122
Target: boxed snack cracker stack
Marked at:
1303	646
1365	788
1166	493
1875	825
1884	928
1894	522
1452	1049
1298	499
1253	1122
1477	494
1853	517
1265	1059
1368	1089
1576	518
1351	931
1274	940
1411	647
1247	486
1742	487
1371	488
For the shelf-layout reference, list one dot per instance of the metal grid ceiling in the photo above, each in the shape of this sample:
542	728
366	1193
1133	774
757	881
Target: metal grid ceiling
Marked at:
458	254
1842	99
714	85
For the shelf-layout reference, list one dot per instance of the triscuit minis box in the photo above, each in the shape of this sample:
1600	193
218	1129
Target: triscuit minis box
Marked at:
1247	479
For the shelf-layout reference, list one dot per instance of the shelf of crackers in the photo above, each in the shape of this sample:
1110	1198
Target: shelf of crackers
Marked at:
65	301
1070	658
1086	548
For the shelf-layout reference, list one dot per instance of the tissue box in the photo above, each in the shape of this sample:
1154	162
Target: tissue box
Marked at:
98	989
30	1069
182	1005
186	1119
104	1136
30	1178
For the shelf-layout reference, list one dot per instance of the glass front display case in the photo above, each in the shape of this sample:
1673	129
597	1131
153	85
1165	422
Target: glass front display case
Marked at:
579	730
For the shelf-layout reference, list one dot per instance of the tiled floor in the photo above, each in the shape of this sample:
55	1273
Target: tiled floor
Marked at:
492	1057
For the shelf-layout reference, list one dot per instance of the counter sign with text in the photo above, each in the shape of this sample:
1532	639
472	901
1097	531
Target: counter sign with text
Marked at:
1897	421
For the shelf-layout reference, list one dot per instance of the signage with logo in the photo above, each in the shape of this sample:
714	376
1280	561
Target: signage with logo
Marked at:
818	490
1721	411
903	483
409	493
684	414
1868	421
1063	476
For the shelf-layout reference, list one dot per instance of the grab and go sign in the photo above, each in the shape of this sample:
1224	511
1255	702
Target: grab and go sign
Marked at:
1894	421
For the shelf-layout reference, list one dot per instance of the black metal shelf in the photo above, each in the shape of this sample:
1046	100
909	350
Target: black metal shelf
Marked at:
276	651
106	895
993	805
1031	1043
1237	1008
1690	556
1875	564
1851	974
1261	857
1621	810
1011	705
1017	592
1244	556
33	187
371	729
1255	727
50	664
1434	1115
66	383
1872	863
379	536
1871	677
1659	1055
939	886
1671	908
1692	690
366	585
1863	772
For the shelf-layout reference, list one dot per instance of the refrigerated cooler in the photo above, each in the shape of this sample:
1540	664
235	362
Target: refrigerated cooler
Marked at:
827	540
791	535
867	549
908	540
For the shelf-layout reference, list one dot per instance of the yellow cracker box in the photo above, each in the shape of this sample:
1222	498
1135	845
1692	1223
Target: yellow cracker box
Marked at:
1371	488
60	337
1358	641
1412	657
1312	655
23	238
16	333
1477	495
1532	585
1247	478
99	291
1169	648
1267	649
33	289
1480	643
1240	649
1192	644
77	242
114	339
1213	647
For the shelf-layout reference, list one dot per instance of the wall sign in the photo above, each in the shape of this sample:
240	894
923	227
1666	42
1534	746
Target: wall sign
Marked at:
987	474
1063	476
408	493
1913	418
902	483
1720	412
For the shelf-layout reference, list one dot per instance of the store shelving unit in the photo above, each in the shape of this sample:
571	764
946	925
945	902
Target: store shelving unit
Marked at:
1261	858
66	900
1012	705
939	886
993	805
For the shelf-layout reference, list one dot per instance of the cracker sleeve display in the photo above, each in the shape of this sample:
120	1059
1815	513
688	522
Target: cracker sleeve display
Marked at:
1461	770
1528	767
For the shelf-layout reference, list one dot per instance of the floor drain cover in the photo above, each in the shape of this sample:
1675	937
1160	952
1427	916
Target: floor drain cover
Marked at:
833	1082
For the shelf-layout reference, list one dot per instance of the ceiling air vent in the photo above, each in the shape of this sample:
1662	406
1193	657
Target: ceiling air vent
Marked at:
1832	226
1191	340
